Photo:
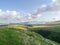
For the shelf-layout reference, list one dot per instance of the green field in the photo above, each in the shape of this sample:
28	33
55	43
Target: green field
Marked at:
13	35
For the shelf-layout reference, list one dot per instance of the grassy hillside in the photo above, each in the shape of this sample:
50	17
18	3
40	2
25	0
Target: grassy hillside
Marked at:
13	36
50	31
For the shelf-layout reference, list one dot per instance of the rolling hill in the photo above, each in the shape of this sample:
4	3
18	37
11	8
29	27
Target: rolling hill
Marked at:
50	31
13	36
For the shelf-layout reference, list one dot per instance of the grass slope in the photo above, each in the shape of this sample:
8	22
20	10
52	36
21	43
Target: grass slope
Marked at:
12	36
50	31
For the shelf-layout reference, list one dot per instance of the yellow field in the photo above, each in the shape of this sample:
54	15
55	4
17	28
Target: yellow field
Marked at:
18	27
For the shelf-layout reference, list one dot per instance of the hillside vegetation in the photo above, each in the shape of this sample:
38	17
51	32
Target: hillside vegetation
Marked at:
13	36
50	31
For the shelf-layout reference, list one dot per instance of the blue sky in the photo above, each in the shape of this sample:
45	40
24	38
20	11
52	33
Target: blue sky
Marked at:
16	11
22	5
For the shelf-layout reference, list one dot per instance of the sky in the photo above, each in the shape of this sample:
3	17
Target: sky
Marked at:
22	5
16	11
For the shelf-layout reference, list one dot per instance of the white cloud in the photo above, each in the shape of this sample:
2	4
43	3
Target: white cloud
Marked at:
11	16
0	10
53	8
29	16
56	18
43	6
39	15
15	16
53	0
50	7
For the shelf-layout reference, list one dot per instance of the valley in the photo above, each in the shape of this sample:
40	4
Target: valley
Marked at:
29	34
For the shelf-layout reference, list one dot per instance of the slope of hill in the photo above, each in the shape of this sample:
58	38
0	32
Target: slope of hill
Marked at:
50	31
13	36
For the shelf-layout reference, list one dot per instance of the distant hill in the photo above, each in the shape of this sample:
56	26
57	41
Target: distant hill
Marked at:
42	22
53	22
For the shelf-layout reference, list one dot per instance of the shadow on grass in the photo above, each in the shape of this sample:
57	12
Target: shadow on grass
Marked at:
55	36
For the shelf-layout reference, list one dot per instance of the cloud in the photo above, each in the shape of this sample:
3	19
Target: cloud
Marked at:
17	16
39	15
53	0
12	16
56	18
53	8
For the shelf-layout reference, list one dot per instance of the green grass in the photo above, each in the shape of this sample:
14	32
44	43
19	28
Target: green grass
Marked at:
12	36
52	33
